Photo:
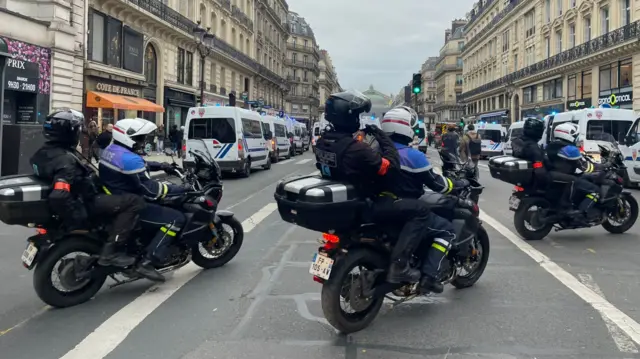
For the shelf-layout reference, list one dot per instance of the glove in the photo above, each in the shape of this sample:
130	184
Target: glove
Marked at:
187	187
166	166
465	183
372	130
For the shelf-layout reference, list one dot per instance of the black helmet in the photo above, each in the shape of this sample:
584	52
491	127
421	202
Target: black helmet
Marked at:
64	127
533	129
343	110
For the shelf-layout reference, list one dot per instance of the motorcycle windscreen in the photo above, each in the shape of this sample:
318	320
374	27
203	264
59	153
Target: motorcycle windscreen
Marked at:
218	135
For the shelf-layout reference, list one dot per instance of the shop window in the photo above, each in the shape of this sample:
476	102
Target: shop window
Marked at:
529	94
98	25
586	84
251	128
626	75
571	87
616	76
605	78
150	65
552	90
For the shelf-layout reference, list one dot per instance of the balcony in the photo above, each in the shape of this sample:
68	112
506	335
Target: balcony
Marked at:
448	105
303	99
496	19
446	68
627	34
302	48
264	5
307	65
242	18
450	52
226	4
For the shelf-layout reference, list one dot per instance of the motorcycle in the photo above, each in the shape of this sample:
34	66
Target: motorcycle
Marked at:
452	167
210	237
349	241
537	212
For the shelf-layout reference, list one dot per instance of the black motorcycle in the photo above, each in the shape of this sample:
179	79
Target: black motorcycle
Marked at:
210	237
453	167
351	300
538	211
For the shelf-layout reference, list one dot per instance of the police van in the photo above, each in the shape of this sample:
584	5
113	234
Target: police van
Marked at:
423	139
275	133
492	136
515	131
297	129
317	130
606	127
233	136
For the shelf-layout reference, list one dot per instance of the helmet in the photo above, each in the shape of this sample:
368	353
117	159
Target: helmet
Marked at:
64	127
131	132
400	121
566	132
343	110
533	128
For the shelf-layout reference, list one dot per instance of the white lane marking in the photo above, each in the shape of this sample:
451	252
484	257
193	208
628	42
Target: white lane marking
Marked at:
284	162
483	165
301	162
622	341
619	318
115	330
250	223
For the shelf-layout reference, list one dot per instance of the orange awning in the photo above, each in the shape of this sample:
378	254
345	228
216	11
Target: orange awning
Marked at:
107	100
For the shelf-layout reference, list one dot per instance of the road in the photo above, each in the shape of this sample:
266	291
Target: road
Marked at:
572	295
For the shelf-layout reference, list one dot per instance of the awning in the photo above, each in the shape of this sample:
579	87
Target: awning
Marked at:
492	114
107	100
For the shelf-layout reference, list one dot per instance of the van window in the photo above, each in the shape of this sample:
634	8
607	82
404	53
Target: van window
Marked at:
316	131
297	131
493	135
280	130
607	130
221	129
265	130
251	128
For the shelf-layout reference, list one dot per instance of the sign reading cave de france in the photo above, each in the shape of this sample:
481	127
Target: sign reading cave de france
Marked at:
119	90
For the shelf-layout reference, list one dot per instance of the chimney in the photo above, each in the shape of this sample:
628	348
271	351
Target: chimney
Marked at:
447	35
457	23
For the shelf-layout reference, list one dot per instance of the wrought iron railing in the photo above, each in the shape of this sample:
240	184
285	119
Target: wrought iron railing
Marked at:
299	47
448	67
242	17
226	4
308	65
274	15
601	43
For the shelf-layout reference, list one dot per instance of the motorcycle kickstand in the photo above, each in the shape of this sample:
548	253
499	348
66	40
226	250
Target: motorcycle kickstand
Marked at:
397	302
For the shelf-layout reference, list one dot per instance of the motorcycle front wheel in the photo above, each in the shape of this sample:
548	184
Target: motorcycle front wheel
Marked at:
221	248
627	208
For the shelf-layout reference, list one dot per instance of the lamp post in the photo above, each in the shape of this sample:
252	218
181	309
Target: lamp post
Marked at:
201	36
509	90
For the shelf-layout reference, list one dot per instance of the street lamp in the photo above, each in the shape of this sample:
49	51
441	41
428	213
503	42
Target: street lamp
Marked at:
201	36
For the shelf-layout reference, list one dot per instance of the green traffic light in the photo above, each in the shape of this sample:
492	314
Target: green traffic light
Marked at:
416	90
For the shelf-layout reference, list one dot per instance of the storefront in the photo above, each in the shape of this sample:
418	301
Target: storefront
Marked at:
541	111
214	100
623	100
177	104
109	101
578	104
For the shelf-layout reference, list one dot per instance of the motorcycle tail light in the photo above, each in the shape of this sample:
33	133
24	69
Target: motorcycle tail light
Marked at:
209	203
476	210
518	189
330	238
619	180
41	231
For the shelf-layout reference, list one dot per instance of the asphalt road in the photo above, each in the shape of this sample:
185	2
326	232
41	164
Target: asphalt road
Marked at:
572	295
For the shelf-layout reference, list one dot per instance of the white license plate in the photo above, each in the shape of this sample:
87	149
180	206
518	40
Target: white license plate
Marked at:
321	266
514	203
29	254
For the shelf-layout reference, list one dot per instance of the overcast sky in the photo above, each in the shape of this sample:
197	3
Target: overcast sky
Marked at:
374	42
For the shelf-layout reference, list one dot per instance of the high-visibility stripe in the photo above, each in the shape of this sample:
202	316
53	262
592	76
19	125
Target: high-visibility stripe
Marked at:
168	231
384	167
440	248
106	190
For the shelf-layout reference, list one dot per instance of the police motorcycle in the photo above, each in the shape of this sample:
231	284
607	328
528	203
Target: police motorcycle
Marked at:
351	300
537	212
210	239
452	167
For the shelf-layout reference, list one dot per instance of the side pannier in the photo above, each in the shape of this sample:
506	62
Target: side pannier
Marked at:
23	200
319	204
515	171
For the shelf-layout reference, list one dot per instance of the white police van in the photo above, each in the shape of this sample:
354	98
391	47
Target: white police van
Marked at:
492	136
277	140
233	136
317	130
515	131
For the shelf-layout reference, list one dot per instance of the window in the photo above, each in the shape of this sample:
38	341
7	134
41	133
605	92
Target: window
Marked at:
181	65
458	80
280	130
586	84
221	129
529	56
515	31
547	47
572	35
572	3
493	135
460	45
459	61
604	20
625	7
571	87
559	3
530	94
150	65
505	41
552	89
547	10
615	76
515	62
530	24
625	74
189	69
97	37
251	128
558	42
607	130
516	133
587	29
266	130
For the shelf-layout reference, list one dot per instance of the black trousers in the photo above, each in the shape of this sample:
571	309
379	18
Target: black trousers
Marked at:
123	210
578	187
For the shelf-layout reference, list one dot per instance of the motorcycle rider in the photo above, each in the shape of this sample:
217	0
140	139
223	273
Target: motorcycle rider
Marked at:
527	148
75	193
563	159
341	157
123	170
417	172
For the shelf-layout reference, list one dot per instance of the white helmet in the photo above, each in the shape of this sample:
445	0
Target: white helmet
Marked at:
400	120
131	130
566	131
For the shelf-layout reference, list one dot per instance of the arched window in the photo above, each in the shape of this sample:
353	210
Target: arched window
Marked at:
241	43
202	16
247	47
214	23
151	65
233	38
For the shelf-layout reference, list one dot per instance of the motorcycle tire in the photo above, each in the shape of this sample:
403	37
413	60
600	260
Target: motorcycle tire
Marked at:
467	281
332	291
633	204
209	263
520	218
42	274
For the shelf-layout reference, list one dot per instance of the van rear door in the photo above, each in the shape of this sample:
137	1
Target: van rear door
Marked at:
219	135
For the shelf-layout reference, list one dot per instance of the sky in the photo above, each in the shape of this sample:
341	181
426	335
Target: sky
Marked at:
372	43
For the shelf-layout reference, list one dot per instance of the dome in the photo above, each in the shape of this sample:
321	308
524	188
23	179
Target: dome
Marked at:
380	102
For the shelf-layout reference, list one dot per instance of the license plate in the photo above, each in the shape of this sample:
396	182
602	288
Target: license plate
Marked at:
29	254
596	158
514	203
321	266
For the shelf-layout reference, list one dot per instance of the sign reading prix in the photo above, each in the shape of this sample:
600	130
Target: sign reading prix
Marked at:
578	104
118	90
22	75
623	98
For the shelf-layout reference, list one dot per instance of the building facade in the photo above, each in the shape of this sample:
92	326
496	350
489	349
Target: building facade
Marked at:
448	75
328	78
380	102
427	98
303	55
533	58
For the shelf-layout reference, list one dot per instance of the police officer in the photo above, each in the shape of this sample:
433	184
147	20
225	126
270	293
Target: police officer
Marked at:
527	148
75	191
123	170
342	158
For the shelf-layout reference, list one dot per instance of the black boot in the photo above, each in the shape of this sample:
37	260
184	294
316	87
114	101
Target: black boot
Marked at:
110	256
430	284
401	272
146	269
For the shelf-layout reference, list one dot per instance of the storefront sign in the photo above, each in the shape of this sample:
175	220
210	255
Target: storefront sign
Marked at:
619	99
541	111
578	104
132	50
21	76
119	90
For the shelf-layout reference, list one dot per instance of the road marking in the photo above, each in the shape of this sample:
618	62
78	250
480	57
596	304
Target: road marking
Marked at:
619	318
301	162
622	341
115	330
285	161
250	223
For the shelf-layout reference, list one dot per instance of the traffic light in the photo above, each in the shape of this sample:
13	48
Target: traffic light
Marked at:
417	83
461	123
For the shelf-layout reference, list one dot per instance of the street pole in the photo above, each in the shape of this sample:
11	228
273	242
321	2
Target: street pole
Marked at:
202	57
201	35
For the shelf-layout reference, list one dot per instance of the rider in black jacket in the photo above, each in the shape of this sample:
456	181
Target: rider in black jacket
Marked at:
75	191
340	157
527	148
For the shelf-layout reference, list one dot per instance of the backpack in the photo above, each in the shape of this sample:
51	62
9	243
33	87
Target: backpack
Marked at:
475	146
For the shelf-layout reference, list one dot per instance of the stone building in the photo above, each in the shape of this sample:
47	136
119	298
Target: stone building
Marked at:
448	75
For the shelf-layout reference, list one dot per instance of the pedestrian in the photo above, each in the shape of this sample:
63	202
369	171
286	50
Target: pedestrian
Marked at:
93	133
179	137
471	147
451	141
160	135
173	136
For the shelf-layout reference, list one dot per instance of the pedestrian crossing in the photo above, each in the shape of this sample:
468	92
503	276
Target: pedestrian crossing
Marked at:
299	162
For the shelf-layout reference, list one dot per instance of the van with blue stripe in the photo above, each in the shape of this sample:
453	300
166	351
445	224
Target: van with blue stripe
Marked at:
234	137
492	136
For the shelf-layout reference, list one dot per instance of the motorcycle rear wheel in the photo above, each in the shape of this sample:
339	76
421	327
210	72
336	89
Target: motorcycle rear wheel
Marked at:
522	216
208	263
467	281
332	291
633	216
